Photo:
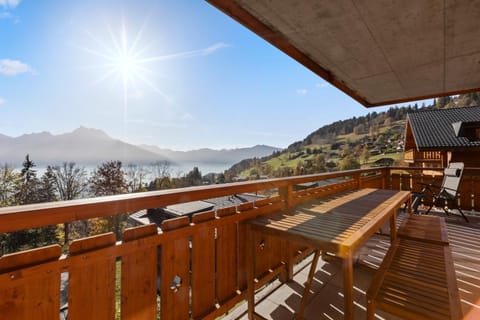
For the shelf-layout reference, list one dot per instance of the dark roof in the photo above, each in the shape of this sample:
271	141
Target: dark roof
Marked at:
235	200
146	217
189	208
438	128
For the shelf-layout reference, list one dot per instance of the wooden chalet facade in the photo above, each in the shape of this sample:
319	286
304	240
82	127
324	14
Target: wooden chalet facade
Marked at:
434	138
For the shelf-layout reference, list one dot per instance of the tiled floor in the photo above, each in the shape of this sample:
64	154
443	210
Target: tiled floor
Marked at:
279	301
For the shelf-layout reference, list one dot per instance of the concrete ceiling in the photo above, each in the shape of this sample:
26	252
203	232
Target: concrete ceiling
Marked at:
378	52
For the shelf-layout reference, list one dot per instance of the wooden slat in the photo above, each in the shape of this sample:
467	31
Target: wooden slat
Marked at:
416	281
28	258
139	276
425	228
175	265
37	298
172	224
203	267
241	263
91	293
226	261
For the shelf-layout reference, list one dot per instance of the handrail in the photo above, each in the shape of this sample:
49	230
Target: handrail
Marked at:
37	215
207	252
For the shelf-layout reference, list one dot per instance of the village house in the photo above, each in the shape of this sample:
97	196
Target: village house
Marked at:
434	138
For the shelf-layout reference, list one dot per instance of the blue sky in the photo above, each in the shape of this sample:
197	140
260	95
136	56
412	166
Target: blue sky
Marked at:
176	74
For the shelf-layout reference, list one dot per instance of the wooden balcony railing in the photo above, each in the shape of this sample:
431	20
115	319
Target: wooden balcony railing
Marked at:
413	155
186	269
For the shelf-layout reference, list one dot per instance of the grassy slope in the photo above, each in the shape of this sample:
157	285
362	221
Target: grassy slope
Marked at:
283	159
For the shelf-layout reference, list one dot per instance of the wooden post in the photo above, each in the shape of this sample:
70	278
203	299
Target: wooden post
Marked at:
356	178
288	255
286	193
386	175
250	261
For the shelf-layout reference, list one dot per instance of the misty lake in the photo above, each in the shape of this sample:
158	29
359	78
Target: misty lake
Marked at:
176	170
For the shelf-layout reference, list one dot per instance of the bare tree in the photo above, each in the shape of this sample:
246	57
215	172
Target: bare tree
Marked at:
161	169
71	183
135	177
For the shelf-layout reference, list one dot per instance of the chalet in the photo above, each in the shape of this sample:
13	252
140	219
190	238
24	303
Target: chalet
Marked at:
434	138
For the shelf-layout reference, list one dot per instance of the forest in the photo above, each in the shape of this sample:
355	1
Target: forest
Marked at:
70	181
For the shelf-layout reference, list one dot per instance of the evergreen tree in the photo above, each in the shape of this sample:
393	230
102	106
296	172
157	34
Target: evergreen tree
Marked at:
47	190
194	177
29	183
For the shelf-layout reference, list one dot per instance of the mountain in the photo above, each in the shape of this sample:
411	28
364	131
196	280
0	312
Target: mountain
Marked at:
83	145
205	155
88	146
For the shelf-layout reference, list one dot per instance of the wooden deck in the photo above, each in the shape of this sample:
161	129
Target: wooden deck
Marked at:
277	301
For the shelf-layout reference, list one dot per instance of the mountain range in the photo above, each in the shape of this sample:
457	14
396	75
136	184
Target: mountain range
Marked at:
89	146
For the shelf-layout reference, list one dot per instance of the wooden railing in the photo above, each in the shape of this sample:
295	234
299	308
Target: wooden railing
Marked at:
185	269
413	155
401	178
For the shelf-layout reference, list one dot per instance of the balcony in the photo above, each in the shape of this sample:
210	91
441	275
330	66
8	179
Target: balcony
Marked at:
196	268
429	158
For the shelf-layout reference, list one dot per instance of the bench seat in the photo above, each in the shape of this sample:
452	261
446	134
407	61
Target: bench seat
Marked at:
416	280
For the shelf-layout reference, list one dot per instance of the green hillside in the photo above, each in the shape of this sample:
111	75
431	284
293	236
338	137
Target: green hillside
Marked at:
373	139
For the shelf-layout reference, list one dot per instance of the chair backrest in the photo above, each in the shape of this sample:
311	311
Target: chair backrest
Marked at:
451	178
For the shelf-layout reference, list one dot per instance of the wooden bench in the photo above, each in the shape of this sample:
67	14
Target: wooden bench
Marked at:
424	228
416	279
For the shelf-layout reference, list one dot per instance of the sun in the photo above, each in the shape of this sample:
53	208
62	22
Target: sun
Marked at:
125	64
124	60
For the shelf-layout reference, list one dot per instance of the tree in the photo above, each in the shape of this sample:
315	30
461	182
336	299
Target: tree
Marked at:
47	190
9	184
24	188
27	192
135	177
71	183
109	179
161	169
194	177
349	163
365	155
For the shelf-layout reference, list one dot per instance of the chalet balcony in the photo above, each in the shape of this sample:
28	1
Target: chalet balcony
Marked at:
197	268
432	158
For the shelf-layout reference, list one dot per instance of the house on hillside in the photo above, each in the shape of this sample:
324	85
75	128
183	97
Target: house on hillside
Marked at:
434	138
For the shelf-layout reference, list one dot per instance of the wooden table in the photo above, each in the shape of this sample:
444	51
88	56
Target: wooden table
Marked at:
339	224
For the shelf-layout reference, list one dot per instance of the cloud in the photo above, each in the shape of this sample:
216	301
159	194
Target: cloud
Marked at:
192	53
9	3
187	116
5	15
302	92
2	101
13	67
321	85
213	48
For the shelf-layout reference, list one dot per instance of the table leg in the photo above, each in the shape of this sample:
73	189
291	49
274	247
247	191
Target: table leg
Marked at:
393	226
348	286
308	284
249	260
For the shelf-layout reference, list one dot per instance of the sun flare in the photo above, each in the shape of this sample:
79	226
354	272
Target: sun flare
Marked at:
124	60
